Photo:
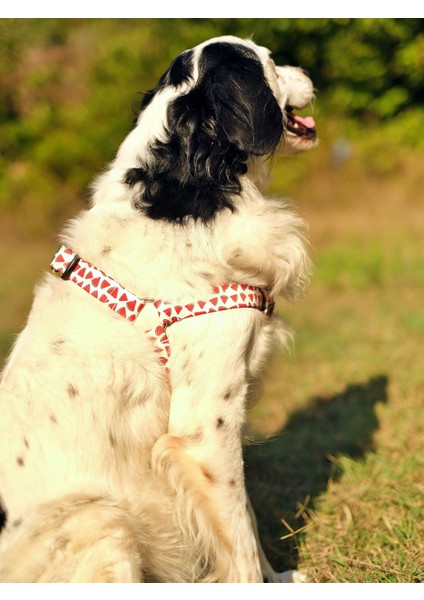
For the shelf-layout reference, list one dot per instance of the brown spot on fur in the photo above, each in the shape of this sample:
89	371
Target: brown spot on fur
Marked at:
197	436
62	542
53	419
16	523
205	275
219	423
211	479
106	250
20	461
57	346
232	482
112	440
72	390
26	444
228	394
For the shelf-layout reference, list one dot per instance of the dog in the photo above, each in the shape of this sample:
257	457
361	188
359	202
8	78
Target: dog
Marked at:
124	399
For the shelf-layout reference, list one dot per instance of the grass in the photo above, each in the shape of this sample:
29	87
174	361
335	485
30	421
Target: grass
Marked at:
338	483
337	476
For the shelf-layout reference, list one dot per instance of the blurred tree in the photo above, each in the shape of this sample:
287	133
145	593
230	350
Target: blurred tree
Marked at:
69	88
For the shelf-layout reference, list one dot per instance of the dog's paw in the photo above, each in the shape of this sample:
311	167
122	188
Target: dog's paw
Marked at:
286	577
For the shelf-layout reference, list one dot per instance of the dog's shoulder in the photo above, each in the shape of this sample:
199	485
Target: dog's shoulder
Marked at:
264	243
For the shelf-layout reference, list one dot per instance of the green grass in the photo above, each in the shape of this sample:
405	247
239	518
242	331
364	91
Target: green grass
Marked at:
347	455
359	263
338	484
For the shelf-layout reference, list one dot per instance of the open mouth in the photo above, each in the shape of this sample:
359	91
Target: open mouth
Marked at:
303	127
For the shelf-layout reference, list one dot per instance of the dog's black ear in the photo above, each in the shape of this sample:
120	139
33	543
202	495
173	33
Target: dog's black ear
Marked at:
229	114
246	111
179	72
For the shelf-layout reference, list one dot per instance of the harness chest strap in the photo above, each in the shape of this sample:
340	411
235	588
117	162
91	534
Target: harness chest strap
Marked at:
126	304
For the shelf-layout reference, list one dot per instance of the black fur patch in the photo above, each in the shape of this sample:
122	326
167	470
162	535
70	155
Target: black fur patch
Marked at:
230	114
178	73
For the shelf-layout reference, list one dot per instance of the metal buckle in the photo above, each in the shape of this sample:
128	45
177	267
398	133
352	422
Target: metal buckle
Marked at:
269	307
71	267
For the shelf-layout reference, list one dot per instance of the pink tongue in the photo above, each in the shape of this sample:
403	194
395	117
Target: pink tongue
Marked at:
307	122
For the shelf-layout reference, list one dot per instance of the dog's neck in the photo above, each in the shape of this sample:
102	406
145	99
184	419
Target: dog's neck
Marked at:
110	187
258	172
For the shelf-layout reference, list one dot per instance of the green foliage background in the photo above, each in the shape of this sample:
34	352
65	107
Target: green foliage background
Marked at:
69	89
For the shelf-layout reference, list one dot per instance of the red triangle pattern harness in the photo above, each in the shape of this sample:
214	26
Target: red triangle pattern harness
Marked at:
126	304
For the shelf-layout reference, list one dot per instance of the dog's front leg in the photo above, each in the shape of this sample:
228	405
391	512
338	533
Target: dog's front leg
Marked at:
205	467
202	457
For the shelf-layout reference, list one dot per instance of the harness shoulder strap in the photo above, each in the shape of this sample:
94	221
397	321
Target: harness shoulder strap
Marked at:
96	283
111	293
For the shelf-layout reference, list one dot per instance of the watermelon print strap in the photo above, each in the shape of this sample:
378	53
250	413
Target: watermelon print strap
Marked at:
126	304
96	283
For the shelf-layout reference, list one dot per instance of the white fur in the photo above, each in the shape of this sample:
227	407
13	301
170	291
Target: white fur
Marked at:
111	471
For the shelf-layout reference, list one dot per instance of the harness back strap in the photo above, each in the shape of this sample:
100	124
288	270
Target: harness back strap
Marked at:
126	304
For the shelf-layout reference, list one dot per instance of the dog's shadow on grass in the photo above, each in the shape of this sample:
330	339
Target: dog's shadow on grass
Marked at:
294	468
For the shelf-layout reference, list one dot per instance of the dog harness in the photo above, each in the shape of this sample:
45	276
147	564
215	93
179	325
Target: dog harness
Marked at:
108	291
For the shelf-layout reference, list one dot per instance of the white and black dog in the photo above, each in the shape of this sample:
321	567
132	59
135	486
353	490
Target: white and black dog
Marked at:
123	403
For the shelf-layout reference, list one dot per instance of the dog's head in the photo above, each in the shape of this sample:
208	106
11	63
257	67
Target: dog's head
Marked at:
218	105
